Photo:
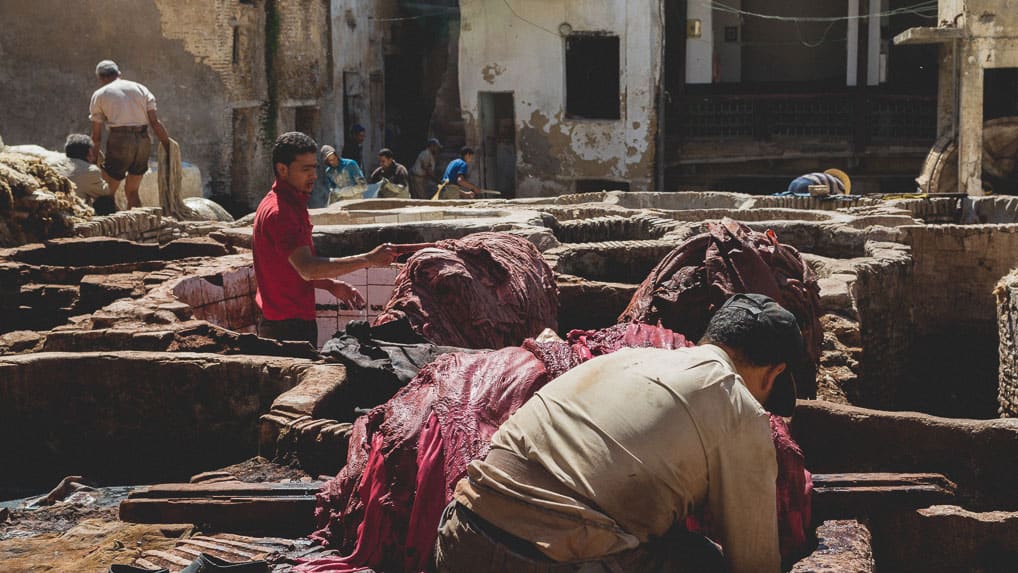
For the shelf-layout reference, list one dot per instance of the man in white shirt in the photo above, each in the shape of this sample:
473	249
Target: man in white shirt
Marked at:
128	109
598	471
424	173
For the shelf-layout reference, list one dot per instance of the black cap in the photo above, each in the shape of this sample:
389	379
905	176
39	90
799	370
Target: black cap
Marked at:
785	330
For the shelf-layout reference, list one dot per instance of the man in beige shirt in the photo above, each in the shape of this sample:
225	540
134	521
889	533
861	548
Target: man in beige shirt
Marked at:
128	109
87	178
598	471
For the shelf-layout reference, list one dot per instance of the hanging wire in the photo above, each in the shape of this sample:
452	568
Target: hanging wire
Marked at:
534	24
920	9
818	43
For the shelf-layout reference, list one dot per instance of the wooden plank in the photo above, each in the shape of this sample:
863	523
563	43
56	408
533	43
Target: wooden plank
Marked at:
859	495
284	516
226	488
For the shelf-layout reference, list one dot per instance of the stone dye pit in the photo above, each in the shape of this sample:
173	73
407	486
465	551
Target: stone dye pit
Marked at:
136	362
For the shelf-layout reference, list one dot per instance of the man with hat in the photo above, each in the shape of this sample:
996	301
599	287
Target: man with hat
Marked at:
599	470
334	172
128	109
828	183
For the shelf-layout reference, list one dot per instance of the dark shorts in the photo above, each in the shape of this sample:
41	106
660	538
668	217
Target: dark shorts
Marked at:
127	152
468	543
289	329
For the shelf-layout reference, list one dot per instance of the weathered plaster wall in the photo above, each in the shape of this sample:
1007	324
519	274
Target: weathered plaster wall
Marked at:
700	51
358	69
213	101
48	54
500	52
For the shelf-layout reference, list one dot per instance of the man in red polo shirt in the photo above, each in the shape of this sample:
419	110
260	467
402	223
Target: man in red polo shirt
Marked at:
286	267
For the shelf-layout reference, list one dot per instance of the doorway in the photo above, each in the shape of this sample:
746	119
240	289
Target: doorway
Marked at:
498	137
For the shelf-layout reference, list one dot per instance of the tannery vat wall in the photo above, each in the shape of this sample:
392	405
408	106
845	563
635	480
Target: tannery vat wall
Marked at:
523	49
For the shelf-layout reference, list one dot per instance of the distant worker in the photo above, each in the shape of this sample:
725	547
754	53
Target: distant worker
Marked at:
128	109
353	148
456	175
831	182
388	169
575	482
287	269
423	173
334	172
87	178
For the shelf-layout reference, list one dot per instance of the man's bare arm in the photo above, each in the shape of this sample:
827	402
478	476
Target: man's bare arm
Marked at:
97	137
311	267
157	126
463	182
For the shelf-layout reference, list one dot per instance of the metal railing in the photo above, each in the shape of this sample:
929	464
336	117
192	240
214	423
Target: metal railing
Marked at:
859	117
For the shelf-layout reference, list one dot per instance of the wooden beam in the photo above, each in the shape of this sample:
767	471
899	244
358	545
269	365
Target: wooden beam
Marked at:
927	35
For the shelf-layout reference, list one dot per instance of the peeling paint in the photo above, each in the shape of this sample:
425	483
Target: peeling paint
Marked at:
492	71
554	151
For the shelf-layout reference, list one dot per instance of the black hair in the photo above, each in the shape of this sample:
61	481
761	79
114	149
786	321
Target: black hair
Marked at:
466	151
77	146
289	145
753	341
385	152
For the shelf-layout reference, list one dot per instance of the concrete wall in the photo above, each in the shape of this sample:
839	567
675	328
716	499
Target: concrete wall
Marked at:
501	52
700	51
954	324
182	50
991	41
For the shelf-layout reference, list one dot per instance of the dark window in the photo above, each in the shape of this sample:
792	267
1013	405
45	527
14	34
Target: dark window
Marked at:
595	185
236	45
247	1
592	76
305	120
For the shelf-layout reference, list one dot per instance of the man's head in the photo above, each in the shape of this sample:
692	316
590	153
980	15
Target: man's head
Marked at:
294	160
467	154
77	146
385	158
107	71
434	146
765	343
329	156
359	133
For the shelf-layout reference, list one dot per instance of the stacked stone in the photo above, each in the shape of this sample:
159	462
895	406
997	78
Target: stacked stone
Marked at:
144	225
1007	328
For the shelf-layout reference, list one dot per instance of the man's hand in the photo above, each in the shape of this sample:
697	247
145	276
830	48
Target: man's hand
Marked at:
382	255
345	293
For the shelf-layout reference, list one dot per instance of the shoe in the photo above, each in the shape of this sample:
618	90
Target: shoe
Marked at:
206	563
133	569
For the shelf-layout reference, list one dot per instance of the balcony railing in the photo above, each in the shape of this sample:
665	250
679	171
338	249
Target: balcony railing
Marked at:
858	118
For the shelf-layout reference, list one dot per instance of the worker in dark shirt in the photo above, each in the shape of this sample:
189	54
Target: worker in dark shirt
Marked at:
388	169
287	269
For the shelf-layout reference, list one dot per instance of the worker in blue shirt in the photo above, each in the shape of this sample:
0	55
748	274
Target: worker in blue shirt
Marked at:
456	174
